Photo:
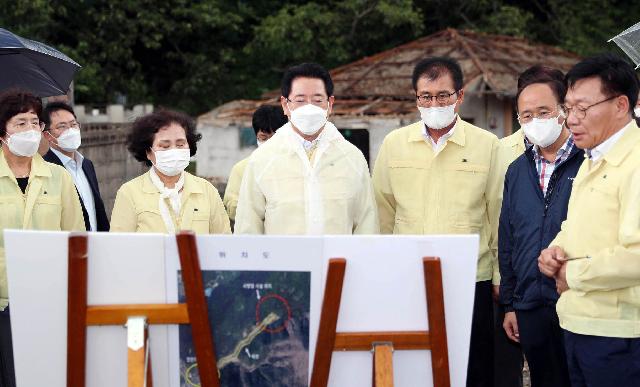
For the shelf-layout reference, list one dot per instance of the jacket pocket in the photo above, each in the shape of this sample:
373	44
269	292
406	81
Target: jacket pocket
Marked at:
467	195
466	222
200	223
407	183
150	221
47	209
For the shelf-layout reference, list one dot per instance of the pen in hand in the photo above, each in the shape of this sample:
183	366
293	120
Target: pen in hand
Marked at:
565	259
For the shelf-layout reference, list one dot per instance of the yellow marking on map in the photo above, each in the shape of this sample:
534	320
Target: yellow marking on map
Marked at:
270	319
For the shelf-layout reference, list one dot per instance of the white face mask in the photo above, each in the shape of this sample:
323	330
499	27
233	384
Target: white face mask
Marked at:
172	162
542	132
24	144
259	143
438	117
637	111
308	119
70	140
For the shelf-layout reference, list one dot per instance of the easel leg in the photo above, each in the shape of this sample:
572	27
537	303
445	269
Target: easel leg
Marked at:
77	311
328	322
138	368
198	313
436	318
148	362
383	365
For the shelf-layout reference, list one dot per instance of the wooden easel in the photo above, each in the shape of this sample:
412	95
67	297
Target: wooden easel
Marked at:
382	344
137	317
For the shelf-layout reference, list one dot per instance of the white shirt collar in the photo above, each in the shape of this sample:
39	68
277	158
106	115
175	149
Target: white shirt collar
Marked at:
599	151
306	144
328	133
78	158
438	145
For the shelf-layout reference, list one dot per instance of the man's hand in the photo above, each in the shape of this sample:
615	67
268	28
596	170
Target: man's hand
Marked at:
510	325
561	279
550	260
496	293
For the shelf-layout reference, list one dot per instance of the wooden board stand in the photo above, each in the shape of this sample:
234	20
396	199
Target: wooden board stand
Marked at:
137	317
382	344
194	312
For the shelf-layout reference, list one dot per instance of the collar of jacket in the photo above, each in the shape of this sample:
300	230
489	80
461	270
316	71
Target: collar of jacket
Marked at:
458	136
189	187
329	134
39	167
515	140
624	145
574	151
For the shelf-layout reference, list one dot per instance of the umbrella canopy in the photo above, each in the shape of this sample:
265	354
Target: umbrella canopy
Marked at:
629	41
34	66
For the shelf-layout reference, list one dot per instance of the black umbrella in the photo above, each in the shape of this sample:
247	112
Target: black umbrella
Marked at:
34	66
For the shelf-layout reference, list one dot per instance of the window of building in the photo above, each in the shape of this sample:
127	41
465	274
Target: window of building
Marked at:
359	138
247	138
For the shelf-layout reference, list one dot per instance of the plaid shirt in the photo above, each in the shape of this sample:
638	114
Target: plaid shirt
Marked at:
545	168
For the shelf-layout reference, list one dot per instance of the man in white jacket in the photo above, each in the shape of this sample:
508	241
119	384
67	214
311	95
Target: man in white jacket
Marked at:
307	179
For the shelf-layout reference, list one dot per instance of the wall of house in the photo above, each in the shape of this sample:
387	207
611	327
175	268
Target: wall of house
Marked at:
487	112
219	150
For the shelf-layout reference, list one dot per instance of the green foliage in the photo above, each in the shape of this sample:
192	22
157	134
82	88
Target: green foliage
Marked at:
585	27
507	20
331	33
194	55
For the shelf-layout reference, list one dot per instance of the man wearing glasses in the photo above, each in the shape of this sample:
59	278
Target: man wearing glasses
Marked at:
307	179
534	204
441	176
63	133
595	259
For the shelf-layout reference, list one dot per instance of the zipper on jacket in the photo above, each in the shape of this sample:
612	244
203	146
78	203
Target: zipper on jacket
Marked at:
552	182
547	201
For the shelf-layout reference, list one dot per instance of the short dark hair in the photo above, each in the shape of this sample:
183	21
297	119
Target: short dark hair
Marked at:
553	78
53	107
14	102
144	129
268	118
435	67
306	70
616	74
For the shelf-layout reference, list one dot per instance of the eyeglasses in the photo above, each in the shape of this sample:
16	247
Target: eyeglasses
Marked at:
581	112
315	100
440	98
527	117
23	125
63	126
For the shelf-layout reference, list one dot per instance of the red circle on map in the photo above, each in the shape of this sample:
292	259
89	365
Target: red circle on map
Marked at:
286	305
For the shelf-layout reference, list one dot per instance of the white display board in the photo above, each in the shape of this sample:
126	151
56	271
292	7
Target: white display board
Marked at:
383	290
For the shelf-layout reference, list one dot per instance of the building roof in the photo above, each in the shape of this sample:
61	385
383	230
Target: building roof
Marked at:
381	84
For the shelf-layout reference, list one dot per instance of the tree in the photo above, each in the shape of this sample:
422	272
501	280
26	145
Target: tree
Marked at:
330	33
196	55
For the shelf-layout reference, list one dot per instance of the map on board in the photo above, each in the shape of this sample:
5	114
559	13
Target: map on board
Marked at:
260	325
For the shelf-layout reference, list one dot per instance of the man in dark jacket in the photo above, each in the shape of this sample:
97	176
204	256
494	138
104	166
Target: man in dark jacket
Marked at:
62	130
536	194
